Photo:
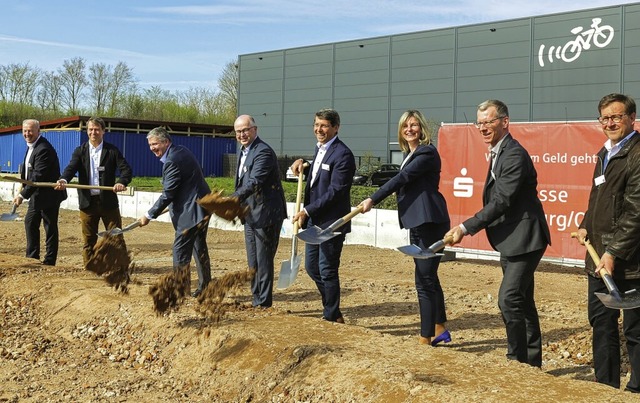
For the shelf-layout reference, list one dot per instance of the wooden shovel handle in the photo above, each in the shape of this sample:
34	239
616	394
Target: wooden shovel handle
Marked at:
592	253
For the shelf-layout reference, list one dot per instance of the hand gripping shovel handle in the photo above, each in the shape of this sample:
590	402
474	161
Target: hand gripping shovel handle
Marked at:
342	221
296	210
606	277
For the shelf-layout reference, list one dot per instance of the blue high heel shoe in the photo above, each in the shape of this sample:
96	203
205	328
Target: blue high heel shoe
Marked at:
444	336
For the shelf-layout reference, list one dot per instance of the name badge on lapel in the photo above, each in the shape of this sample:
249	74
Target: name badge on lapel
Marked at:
325	167
100	169
599	180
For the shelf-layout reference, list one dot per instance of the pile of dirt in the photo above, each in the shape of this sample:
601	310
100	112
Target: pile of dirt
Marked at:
66	335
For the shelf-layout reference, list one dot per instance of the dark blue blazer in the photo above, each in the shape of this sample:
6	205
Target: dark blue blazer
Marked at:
111	161
44	166
330	196
416	186
259	186
182	185
512	214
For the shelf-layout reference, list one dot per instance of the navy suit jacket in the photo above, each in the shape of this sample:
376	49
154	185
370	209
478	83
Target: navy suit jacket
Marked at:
44	166
182	185
260	188
512	213
330	196
110	159
416	186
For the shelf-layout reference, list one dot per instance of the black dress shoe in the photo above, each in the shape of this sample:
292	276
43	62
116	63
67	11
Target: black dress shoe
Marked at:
48	263
196	293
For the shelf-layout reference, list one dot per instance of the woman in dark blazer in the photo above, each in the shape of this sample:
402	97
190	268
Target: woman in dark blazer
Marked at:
423	210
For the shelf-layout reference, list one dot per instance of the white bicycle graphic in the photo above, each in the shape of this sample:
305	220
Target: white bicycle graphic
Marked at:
600	36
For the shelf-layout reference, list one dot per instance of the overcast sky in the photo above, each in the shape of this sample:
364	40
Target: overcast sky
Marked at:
178	44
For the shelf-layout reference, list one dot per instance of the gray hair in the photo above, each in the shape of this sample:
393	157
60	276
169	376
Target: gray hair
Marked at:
501	107
34	122
160	133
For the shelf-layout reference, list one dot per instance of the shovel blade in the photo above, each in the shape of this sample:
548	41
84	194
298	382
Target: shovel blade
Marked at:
288	272
284	279
295	267
416	252
628	300
111	232
8	217
316	235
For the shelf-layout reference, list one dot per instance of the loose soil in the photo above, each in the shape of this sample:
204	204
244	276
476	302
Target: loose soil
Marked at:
67	334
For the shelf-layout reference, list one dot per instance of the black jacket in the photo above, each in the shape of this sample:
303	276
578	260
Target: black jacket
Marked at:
44	166
612	219
110	159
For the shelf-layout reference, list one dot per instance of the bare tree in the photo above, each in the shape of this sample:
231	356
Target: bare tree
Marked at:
49	93
100	76
18	83
73	81
122	83
228	85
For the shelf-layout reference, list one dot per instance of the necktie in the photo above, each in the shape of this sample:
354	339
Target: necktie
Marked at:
493	163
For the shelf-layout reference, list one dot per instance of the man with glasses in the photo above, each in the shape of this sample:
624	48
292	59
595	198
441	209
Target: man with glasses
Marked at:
327	197
259	187
612	225
515	224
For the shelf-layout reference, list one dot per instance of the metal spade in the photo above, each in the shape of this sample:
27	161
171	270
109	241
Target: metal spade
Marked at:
10	216
289	268
615	299
118	231
316	235
416	252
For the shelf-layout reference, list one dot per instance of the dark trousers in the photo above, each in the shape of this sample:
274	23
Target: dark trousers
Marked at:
322	263
606	338
262	244
430	294
32	220
89	221
518	308
193	242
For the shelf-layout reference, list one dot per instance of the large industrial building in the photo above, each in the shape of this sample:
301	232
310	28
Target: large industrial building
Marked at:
546	68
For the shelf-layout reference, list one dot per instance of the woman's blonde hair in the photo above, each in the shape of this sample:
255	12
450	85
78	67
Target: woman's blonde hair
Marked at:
425	137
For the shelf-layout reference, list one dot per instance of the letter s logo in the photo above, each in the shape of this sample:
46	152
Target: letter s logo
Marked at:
463	186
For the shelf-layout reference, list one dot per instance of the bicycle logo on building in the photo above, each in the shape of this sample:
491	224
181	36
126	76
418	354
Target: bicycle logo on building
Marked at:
599	35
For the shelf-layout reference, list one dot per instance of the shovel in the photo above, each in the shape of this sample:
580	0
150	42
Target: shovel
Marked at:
10	216
615	299
416	252
289	268
316	235
127	192
118	231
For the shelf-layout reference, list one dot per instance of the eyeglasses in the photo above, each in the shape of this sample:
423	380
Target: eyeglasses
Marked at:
616	118
245	130
488	122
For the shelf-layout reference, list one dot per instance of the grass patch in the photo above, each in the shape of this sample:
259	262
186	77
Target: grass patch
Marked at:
358	193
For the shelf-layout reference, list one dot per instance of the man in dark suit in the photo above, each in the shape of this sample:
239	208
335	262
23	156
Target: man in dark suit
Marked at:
41	164
327	198
258	185
97	163
182	185
516	227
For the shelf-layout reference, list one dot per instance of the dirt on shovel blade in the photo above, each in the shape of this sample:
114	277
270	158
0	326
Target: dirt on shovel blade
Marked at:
210	301
112	261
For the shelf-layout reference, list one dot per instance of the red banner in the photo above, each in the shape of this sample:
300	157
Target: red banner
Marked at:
564	157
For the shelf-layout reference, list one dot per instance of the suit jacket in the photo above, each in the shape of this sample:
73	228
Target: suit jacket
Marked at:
111	159
330	196
44	166
416	186
512	213
182	184
259	186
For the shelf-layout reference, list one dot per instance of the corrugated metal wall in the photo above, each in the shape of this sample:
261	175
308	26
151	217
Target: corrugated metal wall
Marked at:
134	146
542	67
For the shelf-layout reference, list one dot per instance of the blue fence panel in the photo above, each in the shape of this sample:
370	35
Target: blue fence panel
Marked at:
214	150
7	143
64	141
136	150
